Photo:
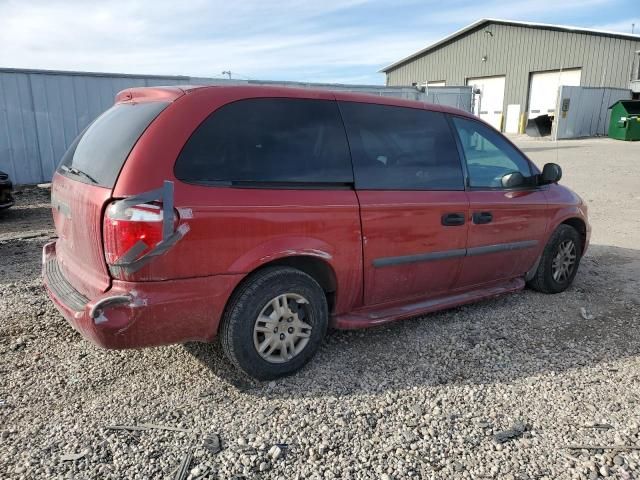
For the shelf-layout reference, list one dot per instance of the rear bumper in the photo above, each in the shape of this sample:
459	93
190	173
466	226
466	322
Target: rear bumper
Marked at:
141	314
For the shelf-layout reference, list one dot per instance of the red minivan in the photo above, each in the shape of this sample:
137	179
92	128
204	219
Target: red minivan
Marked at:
264	215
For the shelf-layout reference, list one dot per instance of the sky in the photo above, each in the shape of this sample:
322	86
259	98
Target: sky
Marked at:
346	41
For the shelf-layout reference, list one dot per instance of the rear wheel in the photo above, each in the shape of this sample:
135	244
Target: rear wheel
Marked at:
559	262
274	322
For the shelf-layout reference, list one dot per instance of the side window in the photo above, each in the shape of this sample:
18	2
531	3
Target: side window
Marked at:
268	140
399	148
488	155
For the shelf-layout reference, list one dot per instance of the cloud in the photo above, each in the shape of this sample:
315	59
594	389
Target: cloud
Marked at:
194	38
328	40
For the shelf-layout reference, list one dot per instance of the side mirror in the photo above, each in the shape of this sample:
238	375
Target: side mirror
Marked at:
551	173
512	180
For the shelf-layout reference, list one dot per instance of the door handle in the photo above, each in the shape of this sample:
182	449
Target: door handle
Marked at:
482	217
453	219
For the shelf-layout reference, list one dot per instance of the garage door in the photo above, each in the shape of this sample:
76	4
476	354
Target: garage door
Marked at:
489	103
543	91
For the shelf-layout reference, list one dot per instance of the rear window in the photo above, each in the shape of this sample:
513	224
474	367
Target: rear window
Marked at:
269	141
97	155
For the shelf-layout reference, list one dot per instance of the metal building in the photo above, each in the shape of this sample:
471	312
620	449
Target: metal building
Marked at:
517	67
42	111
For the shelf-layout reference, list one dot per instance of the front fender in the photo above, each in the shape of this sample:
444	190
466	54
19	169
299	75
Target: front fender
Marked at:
569	214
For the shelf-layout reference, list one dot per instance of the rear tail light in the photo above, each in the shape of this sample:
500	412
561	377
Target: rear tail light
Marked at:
124	229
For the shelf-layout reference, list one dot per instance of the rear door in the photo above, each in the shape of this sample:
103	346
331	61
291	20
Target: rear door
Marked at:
506	226
413	206
268	178
82	186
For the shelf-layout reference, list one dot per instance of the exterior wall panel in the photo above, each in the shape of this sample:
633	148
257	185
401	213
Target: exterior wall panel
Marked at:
18	143
589	112
42	112
516	51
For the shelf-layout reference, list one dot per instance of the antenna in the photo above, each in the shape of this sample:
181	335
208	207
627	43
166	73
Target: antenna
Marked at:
633	27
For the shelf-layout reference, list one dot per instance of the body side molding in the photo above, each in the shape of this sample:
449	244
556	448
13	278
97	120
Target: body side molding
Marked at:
455	253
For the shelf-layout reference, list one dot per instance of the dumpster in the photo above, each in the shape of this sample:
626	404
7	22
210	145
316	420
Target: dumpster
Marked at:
625	120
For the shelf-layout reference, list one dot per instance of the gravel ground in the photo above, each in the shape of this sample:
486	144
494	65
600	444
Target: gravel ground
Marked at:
501	389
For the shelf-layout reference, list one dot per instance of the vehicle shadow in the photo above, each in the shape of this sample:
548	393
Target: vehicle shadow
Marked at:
517	336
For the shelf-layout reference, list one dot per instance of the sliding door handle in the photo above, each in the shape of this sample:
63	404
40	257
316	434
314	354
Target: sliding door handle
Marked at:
453	219
480	218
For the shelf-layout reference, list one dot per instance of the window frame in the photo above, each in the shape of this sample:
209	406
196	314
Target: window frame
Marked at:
463	158
270	184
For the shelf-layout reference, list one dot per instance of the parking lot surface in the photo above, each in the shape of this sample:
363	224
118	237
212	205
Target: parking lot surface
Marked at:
506	389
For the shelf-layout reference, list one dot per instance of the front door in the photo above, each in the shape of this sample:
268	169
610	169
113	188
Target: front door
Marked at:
413	206
506	226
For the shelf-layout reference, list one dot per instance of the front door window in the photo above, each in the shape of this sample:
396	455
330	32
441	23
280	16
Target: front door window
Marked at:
489	156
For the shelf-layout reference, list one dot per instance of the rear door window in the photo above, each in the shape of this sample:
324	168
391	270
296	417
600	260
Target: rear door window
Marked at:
268	141
97	155
400	148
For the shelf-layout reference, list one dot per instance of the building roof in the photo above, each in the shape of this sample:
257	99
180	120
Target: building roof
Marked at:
485	21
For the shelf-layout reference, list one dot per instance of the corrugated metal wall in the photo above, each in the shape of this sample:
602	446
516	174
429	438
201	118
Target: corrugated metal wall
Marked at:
588	114
516	51
42	112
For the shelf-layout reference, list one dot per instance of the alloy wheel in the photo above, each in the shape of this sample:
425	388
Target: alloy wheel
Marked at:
564	262
281	331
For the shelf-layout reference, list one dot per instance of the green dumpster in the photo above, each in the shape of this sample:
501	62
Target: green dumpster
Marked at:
625	120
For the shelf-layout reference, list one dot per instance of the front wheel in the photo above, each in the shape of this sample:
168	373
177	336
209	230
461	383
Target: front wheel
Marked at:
274	322
559	262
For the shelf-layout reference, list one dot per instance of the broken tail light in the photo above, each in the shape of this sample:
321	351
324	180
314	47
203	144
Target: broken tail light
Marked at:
124	228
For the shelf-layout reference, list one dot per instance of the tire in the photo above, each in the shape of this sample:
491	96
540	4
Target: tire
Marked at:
546	279
300	301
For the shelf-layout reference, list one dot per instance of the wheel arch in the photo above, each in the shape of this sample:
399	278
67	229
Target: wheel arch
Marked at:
314	266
